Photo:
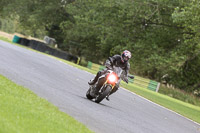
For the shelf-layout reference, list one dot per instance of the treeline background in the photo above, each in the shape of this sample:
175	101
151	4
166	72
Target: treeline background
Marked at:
163	35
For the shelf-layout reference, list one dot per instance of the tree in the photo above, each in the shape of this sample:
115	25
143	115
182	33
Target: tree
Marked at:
188	18
39	17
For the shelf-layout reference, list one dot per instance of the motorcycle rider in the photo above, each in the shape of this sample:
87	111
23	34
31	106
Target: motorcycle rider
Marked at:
117	61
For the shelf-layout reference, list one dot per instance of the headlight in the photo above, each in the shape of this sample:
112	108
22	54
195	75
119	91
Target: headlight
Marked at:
112	78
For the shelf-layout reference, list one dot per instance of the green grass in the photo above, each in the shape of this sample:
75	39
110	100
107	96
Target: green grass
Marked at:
185	109
180	94
5	39
22	111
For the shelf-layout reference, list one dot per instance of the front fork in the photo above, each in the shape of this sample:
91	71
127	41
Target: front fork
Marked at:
96	91
113	85
103	86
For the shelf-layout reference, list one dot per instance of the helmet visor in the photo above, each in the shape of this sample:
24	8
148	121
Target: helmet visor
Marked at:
126	58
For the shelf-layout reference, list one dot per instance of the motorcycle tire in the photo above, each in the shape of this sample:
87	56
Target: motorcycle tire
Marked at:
99	98
88	94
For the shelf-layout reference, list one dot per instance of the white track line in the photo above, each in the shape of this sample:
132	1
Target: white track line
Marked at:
160	105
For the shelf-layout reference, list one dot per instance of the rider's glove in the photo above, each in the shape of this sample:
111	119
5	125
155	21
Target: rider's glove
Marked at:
126	80
109	67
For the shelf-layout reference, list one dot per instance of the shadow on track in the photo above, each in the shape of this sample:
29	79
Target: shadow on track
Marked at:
101	104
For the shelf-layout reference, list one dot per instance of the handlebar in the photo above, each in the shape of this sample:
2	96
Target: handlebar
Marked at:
131	76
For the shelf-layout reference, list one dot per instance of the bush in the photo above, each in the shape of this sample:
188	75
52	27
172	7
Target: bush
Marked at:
83	62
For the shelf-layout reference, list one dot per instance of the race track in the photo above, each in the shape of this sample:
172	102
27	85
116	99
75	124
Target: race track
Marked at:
65	87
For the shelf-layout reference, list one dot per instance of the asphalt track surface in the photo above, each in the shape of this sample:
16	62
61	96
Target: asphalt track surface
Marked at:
65	86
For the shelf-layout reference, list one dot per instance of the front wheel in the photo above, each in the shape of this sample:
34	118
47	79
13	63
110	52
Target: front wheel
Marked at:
101	96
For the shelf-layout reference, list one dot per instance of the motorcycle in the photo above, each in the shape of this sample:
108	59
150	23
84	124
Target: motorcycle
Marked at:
105	84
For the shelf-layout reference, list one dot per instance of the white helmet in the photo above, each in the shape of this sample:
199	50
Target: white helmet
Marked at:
126	55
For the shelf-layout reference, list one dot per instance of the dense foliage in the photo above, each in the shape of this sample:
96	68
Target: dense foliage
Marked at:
163	35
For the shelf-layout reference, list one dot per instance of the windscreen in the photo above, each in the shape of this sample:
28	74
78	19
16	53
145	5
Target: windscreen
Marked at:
118	71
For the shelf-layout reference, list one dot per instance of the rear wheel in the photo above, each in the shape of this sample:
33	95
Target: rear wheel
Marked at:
88	94
99	98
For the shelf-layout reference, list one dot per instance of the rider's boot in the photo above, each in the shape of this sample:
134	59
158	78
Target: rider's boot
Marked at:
107	98
92	82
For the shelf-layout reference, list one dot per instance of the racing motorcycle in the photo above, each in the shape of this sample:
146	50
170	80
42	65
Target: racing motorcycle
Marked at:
105	84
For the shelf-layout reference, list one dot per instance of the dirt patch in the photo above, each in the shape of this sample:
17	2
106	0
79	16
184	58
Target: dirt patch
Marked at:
10	36
6	35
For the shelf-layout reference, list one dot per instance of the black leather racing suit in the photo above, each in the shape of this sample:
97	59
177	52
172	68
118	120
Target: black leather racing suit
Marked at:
115	61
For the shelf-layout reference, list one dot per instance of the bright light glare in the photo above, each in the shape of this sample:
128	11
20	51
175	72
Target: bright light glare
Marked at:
112	78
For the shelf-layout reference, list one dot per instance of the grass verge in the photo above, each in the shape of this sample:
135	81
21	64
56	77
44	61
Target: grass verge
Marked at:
5	39
188	110
22	111
180	94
